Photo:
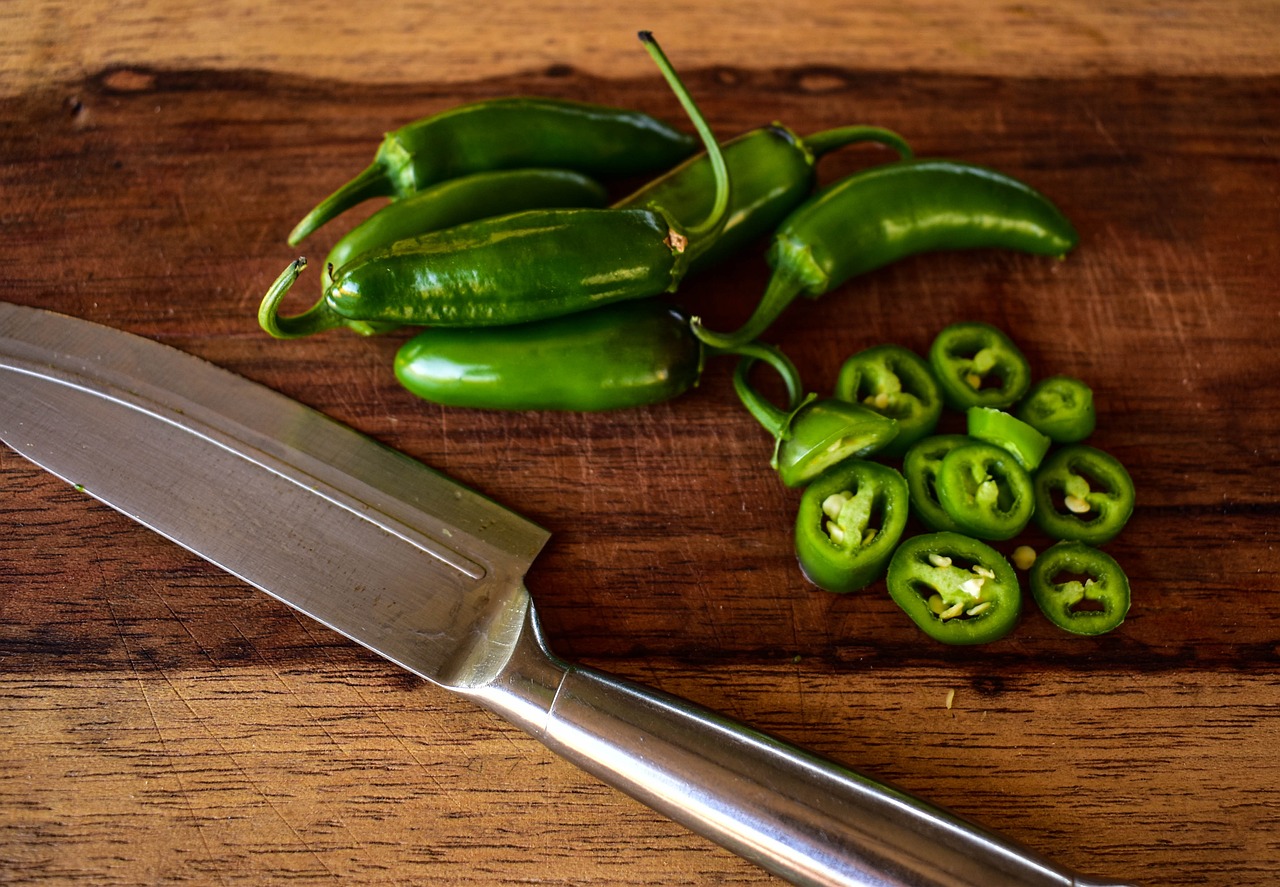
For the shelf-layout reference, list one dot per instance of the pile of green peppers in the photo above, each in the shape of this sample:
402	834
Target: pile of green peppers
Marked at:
529	284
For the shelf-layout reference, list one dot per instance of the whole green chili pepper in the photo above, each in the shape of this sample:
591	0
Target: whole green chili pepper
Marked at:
849	522
985	491
977	365
920	467
815	434
896	382
624	355
956	589
1083	494
1061	408
1090	607
516	268
772	170
880	215
1009	433
507	133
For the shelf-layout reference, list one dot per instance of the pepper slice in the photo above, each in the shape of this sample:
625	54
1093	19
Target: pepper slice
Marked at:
984	490
811	437
849	521
1061	408
920	466
1083	494
897	383
977	365
1010	433
956	589
1093	606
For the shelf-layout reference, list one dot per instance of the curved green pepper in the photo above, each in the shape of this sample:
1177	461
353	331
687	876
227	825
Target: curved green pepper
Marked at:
977	365
516	268
880	215
1061	408
849	522
618	356
1093	606
811	437
920	467
1009	433
507	133
956	589
897	383
772	170
1083	494
985	491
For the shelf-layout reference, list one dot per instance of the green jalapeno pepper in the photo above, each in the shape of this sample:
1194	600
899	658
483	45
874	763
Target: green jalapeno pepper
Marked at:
507	133
772	170
985	491
1009	433
849	522
1080	588
920	467
812	436
977	365
880	215
618	356
1061	408
1083	494
956	589
897	383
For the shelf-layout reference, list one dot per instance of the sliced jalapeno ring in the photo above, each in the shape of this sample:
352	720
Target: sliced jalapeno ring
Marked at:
849	521
1083	494
1061	408
920	467
977	365
1080	588
997	427
956	589
897	383
984	490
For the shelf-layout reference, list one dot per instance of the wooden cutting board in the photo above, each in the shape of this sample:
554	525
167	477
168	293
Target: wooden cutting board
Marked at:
162	722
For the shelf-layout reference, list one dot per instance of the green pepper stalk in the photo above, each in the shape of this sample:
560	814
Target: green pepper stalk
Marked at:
515	268
813	435
881	215
507	133
629	354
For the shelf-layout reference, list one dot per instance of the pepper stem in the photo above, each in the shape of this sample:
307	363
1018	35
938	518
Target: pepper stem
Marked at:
773	418
372	182
824	142
316	319
782	291
782	365
716	218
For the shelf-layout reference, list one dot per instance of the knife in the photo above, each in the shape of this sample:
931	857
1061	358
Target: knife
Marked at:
430	575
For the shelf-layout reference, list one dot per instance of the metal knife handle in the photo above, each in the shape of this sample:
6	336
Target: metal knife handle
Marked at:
801	816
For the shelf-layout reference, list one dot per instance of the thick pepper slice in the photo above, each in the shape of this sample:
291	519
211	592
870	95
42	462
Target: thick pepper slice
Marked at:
1093	606
897	383
956	589
977	365
1083	494
985	491
849	521
1061	408
920	466
1010	433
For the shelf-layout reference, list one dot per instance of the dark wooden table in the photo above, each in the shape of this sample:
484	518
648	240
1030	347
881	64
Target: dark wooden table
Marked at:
161	722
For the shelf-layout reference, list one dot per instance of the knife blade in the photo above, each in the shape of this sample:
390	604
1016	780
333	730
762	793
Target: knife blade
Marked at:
430	575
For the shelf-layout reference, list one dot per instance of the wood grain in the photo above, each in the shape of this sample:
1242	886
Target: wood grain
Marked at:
163	723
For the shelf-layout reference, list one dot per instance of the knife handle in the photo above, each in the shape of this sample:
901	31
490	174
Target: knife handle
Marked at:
803	817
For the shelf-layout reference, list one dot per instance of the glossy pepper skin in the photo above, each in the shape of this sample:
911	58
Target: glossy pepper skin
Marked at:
507	133
1061	408
897	383
849	522
887	213
619	356
1008	432
984	491
772	169
1091	607
1083	494
978	365
958	590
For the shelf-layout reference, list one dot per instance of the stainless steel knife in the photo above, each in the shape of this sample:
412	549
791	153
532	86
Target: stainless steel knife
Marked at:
430	575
